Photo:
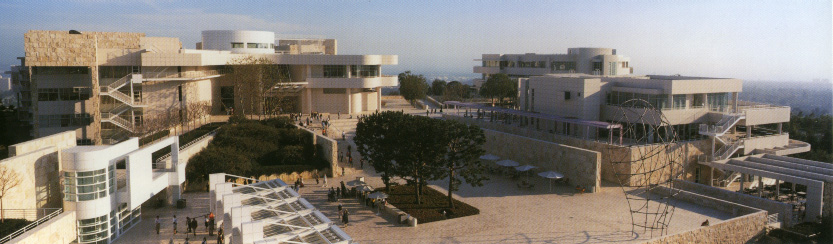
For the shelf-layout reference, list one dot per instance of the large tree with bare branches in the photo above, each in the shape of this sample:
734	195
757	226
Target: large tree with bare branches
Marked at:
8	180
254	81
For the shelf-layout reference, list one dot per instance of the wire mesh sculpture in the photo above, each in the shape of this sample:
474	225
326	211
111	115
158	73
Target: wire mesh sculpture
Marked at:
646	162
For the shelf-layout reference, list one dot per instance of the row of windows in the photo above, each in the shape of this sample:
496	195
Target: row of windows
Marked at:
532	64
60	70
64	94
64	120
252	45
563	66
335	91
89	185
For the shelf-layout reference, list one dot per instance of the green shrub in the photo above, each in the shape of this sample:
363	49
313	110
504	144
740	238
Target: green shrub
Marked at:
153	137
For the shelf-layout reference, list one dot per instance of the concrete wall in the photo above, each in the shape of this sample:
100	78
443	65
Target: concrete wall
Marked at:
60	229
35	190
61	141
769	115
736	230
329	150
581	166
765	142
706	201
784	210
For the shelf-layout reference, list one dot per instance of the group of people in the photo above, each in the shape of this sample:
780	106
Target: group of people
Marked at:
338	192
298	184
433	111
191	225
344	214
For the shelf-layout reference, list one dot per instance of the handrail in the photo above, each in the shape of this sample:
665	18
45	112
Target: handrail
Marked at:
121	122
183	74
32	225
182	147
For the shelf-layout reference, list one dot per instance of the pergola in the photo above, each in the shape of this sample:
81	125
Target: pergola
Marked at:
524	115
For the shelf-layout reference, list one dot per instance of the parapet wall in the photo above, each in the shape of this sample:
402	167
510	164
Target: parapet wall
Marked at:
749	223
784	210
581	166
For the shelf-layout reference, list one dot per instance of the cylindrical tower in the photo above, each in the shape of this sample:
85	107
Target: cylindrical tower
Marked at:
239	41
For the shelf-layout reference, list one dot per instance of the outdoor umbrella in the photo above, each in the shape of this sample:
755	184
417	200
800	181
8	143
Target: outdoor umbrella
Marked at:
490	157
551	175
525	167
355	183
378	195
507	163
365	188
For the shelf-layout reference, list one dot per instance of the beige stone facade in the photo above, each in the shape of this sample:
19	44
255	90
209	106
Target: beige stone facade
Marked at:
108	86
59	230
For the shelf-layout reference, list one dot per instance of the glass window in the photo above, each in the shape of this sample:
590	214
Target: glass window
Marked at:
236	45
334	71
335	91
679	101
251	45
566	95
364	70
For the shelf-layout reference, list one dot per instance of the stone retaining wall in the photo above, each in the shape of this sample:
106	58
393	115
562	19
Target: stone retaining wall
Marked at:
736	230
581	166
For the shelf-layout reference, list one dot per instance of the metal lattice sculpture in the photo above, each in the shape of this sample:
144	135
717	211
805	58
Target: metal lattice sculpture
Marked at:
648	160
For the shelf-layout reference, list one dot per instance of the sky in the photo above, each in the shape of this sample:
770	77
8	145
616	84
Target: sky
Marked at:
750	40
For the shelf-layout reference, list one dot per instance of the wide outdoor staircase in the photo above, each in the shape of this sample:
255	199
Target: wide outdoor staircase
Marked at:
718	133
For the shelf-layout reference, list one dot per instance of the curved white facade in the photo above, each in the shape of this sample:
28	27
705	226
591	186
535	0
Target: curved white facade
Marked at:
239	41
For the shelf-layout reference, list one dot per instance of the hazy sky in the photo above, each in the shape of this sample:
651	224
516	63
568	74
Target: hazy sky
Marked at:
753	40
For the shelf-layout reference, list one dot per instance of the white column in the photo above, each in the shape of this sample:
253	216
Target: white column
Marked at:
309	99
379	99
349	101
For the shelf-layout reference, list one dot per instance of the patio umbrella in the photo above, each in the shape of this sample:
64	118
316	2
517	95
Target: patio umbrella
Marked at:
490	157
365	188
551	175
507	163
525	167
355	183
378	195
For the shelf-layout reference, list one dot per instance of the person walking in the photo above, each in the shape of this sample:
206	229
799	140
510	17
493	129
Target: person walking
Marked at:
220	237
158	224
174	221
325	181
361	160
206	222
204	240
194	226
316	178
211	223
345	217
187	225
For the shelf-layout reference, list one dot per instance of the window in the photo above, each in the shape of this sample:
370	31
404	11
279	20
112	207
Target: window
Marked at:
251	45
64	120
612	68
85	185
365	70
334	71
566	95
491	63
179	92
624	64
60	70
335	91
236	45
563	66
679	101
63	94
698	101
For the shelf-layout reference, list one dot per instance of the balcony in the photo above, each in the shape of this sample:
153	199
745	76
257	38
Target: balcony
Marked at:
672	116
760	113
355	82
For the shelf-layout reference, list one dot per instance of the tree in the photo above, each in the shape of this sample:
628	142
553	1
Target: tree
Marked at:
8	180
411	86
456	91
217	159
437	87
463	149
376	141
500	86
254	81
421	152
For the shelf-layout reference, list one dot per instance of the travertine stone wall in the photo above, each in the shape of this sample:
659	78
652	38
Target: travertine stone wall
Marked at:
59	48
60	140
60	229
735	230
609	152
581	166
329	149
34	169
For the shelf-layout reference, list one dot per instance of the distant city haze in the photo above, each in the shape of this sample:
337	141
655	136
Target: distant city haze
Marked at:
751	40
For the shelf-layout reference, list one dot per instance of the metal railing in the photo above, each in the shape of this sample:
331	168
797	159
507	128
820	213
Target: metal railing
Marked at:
48	213
772	218
182	147
184	74
120	122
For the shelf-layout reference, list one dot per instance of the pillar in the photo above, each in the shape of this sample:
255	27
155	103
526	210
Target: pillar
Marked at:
780	128
777	189
742	179
748	131
379	99
760	186
349	101
309	100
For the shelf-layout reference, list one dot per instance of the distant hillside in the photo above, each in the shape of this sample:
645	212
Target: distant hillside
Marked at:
809	97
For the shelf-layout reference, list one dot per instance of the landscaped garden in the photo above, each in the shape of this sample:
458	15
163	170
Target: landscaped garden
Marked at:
254	148
11	225
434	202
